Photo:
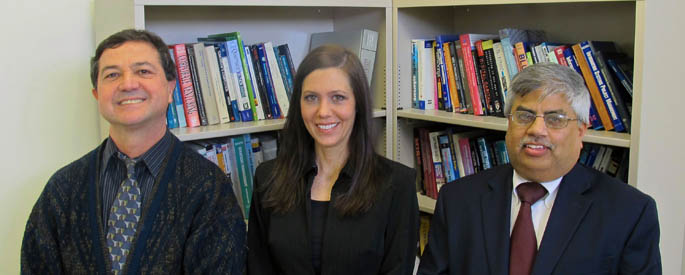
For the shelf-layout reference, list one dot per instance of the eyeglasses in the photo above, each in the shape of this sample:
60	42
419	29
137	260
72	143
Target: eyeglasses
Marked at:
552	120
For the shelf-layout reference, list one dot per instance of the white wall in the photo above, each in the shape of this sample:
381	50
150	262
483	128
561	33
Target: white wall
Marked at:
49	114
662	151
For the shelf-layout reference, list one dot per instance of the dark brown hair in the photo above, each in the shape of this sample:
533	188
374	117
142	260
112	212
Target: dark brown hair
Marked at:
115	40
287	187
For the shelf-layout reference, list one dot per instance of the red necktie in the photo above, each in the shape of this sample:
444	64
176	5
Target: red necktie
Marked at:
523	242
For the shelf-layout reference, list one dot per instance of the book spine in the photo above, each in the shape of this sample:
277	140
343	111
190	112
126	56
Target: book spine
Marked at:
559	53
271	94
284	57
479	82
484	79
502	70
465	41
485	155
414	75
241	165
442	74
621	76
171	117
258	103
186	84
592	87
437	159
450	75
215	83
439	100
259	77
447	162
206	89
418	161
246	76
508	50
465	149
458	77
236	68
428	170
602	86
521	56
493	79
427	76
225	76
276	79
468	108
621	106
202	112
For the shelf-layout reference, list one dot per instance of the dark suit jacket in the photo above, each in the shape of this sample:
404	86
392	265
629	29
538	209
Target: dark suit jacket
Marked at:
598	225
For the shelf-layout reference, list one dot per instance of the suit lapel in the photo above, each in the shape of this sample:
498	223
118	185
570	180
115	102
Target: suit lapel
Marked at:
569	208
495	207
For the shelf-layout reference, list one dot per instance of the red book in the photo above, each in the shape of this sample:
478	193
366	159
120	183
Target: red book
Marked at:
559	53
467	46
429	182
186	85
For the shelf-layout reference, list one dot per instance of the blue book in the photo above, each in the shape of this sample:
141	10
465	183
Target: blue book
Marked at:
616	120
508	50
171	120
236	69
415	75
270	93
595	123
178	104
484	153
440	56
447	162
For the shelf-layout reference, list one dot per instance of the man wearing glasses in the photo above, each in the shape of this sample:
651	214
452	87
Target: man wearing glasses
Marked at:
544	213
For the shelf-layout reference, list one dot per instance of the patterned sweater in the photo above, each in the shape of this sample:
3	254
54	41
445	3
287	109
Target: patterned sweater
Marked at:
191	224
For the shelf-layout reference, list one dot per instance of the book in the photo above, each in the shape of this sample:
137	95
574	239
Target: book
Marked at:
186	84
215	83
600	81
247	81
362	42
496	93
451	77
437	158
426	74
259	79
447	161
415	74
592	87
270	92
456	69
171	117
210	104
485	81
467	43
448	89
466	94
177	99
276	79
285	58
202	113
429	182
502	70
601	49
229	88
258	102
595	122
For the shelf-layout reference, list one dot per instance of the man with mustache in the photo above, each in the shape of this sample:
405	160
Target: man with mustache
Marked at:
544	213
141	202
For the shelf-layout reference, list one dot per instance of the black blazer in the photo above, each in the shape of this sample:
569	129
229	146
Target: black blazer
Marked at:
598	225
381	241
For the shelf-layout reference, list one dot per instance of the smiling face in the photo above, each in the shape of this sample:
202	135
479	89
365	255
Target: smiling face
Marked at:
540	153
328	107
132	89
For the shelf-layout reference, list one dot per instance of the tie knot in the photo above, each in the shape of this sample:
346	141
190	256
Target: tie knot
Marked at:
530	192
130	164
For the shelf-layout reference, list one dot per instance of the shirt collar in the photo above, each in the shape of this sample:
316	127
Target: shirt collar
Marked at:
152	159
551	186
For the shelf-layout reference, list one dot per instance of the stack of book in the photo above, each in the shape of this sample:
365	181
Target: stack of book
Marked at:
470	73
238	156
222	80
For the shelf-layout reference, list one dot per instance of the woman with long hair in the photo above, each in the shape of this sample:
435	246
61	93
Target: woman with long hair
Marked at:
329	204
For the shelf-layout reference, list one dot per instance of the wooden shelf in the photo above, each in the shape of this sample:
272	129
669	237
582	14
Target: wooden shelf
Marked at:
437	3
500	124
289	3
426	203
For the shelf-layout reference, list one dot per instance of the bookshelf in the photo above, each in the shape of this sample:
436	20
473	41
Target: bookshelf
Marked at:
413	19
290	21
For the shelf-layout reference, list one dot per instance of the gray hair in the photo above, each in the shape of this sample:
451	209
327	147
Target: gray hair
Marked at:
552	79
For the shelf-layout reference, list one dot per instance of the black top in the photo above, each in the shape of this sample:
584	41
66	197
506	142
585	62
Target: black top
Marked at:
381	241
113	171
318	222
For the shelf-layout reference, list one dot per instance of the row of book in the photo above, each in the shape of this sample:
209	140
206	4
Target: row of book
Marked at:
238	156
470	73
445	155
607	159
221	80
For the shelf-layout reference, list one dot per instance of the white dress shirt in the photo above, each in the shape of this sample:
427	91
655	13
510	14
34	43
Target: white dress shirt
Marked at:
540	210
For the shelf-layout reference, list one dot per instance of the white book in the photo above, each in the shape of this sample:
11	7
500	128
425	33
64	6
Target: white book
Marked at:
427	82
362	42
215	82
207	93
276	79
502	70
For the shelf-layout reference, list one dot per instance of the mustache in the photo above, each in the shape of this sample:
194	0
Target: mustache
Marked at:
537	140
